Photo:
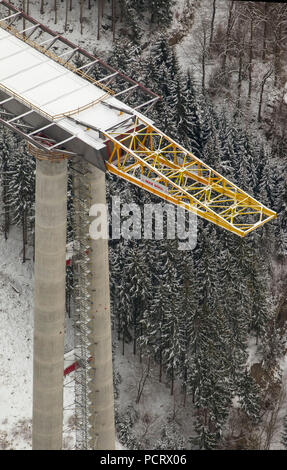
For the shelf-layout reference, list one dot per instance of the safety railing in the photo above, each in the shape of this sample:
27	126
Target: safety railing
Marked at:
54	57
50	117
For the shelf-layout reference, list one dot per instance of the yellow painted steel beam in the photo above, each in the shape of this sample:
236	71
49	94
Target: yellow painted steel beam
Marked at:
148	158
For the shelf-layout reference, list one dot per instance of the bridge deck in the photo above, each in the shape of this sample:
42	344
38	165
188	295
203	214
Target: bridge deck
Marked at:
55	92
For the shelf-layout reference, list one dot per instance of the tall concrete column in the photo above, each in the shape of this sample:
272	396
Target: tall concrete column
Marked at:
101	386
50	271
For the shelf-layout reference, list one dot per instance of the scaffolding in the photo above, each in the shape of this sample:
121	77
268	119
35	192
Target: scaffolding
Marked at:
82	303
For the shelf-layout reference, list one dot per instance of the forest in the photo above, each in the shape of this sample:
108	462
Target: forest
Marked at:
190	316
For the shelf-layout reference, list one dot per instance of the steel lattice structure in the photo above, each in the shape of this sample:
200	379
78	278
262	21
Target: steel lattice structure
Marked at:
148	158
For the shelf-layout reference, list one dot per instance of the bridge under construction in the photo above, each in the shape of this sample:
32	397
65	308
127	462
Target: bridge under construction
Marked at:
84	113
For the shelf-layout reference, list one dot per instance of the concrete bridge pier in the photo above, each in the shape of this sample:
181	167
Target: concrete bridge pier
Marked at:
49	309
102	436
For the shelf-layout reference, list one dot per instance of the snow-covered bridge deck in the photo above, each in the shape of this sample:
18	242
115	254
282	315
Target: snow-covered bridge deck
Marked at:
54	92
40	89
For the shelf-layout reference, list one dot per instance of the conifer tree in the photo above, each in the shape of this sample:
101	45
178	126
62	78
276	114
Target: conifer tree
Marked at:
125	57
249	397
209	381
131	17
191	123
7	148
21	190
284	433
140	285
162	72
233	302
161	12
272	344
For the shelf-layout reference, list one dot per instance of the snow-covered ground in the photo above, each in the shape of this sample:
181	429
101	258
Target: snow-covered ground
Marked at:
156	408
88	38
16	307
276	443
16	348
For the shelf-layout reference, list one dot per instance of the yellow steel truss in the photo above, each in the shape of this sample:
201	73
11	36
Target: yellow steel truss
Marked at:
148	158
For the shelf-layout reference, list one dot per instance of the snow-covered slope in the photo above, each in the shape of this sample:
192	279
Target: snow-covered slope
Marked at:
16	349
16	309
157	407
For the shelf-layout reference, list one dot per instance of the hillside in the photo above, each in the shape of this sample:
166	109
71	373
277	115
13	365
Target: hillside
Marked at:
208	325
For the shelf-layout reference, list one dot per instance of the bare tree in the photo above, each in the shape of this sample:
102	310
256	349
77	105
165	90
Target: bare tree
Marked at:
250	55
230	23
202	42
250	14
145	373
5	197
278	22
99	17
66	15
81	14
265	25
270	417
212	22
240	70
24	233
114	6
263	82
56	11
